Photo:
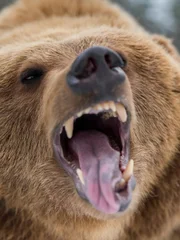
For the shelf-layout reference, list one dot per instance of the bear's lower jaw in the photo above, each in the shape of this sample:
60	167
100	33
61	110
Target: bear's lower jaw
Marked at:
93	148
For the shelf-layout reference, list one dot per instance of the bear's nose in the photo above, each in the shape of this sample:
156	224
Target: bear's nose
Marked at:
98	70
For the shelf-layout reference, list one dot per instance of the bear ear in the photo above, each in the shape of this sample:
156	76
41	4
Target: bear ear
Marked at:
167	45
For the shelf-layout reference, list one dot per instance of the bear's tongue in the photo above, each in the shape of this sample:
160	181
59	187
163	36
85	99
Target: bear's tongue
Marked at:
99	163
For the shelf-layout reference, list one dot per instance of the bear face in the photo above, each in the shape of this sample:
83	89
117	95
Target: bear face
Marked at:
36	101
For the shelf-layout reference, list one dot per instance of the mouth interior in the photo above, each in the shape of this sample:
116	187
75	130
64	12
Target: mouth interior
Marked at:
96	156
102	123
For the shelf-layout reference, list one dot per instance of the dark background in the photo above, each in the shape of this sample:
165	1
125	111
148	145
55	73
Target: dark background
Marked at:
159	16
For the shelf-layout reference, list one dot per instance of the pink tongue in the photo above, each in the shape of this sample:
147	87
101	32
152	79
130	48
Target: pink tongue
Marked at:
99	163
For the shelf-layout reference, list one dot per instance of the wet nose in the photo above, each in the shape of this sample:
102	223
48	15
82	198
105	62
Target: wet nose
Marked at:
98	70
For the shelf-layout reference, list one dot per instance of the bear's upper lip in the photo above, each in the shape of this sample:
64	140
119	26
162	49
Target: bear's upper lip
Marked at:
93	147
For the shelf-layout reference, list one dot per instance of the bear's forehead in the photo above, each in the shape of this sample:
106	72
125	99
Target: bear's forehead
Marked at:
57	46
69	42
66	29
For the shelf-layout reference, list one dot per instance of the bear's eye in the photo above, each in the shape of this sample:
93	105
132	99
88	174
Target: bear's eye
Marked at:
31	76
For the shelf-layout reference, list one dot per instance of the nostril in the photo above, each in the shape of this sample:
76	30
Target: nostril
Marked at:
113	60
93	72
89	69
108	60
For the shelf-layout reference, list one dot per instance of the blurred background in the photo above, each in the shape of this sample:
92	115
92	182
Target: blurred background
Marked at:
158	16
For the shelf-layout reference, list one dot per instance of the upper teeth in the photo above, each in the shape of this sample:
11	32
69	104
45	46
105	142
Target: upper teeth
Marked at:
117	108
69	126
121	111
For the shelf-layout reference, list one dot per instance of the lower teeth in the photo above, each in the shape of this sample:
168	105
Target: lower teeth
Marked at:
80	175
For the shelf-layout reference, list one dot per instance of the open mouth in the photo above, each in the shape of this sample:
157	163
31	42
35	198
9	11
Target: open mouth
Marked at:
93	147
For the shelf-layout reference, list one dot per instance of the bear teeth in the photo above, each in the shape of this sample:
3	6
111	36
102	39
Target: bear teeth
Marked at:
128	171
69	126
116	108
127	174
80	175
121	111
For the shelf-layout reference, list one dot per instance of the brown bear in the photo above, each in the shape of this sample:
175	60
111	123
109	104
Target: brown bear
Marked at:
89	125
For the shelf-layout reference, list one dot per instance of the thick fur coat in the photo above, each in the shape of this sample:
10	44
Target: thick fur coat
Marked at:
38	199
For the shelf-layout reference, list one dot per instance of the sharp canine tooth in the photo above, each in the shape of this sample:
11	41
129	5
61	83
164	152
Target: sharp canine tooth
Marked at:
69	126
121	112
112	106
80	175
128	171
120	185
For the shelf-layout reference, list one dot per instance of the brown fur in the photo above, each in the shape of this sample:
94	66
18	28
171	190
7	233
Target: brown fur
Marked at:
38	199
